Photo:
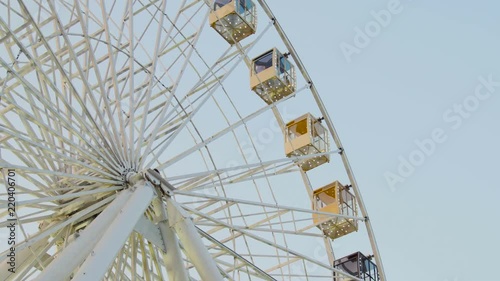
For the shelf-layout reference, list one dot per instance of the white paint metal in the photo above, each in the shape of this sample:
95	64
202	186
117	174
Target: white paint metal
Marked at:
172	258
113	239
191	242
74	254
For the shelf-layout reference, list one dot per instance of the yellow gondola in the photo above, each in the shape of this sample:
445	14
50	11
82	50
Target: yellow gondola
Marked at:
234	20
306	136
272	76
336	199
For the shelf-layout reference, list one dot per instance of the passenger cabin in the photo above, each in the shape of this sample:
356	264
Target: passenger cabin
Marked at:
358	266
272	76
335	198
234	20
307	136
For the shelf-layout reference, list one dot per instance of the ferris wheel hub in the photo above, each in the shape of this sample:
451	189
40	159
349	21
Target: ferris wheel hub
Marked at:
132	177
153	177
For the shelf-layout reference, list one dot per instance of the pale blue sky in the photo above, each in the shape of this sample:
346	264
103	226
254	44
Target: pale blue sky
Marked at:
441	222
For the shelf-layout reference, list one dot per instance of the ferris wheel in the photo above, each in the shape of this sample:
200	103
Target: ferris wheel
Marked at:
169	140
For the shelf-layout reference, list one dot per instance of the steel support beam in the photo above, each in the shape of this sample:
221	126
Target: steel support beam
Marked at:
194	248
75	253
104	252
174	264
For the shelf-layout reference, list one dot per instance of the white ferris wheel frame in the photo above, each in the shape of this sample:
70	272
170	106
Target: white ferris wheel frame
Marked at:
97	247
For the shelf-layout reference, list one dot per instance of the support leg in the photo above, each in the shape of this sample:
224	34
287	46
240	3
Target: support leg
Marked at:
191	242
173	258
111	241
75	253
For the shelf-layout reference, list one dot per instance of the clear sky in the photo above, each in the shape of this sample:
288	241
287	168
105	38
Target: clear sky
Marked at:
413	80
